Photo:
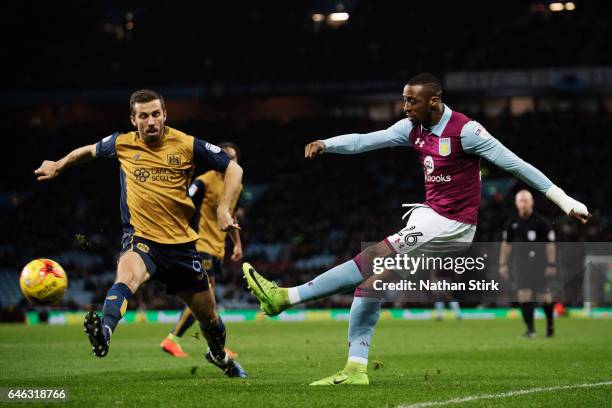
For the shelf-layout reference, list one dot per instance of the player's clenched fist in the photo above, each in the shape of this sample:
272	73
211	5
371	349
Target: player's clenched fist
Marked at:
313	149
581	215
47	170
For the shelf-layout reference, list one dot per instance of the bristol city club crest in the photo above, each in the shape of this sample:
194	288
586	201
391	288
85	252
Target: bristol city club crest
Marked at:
444	146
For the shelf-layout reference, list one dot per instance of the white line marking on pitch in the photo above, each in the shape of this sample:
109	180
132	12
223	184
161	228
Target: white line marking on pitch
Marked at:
501	395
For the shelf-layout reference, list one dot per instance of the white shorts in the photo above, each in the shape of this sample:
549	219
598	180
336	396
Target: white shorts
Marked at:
425	226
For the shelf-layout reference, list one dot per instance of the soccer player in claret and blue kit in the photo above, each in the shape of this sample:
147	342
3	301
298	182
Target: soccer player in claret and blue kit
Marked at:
450	146
157	163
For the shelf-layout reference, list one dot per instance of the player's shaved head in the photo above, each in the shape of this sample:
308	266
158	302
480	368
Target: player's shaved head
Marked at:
422	100
524	203
431	84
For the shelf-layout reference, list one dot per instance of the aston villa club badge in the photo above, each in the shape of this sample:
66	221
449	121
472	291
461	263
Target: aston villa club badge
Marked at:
444	148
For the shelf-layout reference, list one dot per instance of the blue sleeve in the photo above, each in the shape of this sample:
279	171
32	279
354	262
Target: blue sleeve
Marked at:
207	156
106	146
396	135
476	140
197	189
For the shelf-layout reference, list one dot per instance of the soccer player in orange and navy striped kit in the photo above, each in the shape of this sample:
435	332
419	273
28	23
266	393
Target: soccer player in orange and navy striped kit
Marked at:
205	191
157	163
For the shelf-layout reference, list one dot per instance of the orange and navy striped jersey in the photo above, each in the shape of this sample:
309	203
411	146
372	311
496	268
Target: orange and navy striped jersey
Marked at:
154	182
206	192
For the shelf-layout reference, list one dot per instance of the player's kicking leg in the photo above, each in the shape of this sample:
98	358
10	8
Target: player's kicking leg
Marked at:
423	225
131	273
203	307
274	299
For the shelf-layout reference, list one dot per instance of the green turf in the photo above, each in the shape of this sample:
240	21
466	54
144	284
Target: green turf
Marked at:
419	361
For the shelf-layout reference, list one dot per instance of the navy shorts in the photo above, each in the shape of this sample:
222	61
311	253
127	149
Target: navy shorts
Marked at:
178	266
212	264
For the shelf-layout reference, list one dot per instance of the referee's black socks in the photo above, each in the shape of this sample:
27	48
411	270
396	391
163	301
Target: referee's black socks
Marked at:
549	312
527	310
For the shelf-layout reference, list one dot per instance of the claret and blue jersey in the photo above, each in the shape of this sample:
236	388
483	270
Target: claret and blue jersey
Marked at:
155	204
449	153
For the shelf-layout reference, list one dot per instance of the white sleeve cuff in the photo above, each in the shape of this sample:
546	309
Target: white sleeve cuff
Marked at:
565	202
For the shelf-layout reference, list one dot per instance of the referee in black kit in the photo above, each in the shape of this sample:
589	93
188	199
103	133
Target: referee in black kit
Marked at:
531	261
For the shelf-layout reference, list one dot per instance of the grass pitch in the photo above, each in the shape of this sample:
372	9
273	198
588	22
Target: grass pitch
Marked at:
416	361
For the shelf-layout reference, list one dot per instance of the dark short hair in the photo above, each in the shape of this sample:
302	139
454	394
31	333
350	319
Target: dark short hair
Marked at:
234	146
428	81
144	96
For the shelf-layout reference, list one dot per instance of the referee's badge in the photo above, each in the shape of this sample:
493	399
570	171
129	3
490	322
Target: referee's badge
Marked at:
531	235
444	146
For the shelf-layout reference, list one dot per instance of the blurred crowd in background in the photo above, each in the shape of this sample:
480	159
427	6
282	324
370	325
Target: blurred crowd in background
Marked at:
242	42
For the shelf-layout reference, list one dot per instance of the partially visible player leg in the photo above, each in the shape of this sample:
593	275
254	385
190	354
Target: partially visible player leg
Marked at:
171	343
203	307
442	297
131	273
439	307
454	305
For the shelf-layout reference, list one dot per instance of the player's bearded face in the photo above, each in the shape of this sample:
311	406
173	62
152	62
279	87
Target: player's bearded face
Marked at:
149	118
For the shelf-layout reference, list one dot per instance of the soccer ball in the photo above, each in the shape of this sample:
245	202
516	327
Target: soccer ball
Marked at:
43	282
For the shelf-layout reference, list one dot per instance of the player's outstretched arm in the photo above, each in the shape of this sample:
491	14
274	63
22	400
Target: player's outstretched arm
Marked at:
353	143
476	140
231	188
51	169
